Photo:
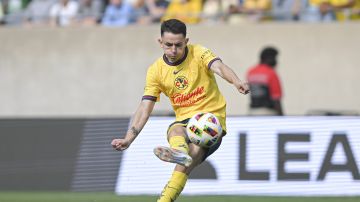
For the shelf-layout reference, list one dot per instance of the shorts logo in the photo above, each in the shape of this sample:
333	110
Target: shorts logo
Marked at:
181	82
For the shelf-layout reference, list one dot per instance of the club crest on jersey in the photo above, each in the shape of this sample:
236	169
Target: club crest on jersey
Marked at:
181	82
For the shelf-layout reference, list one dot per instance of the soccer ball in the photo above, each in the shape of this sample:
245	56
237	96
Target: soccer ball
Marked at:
204	129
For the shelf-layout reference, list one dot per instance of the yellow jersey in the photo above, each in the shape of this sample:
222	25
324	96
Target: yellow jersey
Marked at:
318	2
355	11
342	14
188	83
258	4
188	11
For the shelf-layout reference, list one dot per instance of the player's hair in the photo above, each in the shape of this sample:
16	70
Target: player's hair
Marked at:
173	26
268	56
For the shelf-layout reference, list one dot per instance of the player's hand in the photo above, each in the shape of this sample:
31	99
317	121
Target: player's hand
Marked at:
120	144
243	87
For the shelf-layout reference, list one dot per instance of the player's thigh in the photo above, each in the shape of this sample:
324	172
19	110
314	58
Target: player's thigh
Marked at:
212	149
200	153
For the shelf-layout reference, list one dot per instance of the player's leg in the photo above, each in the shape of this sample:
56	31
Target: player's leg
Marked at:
180	174
177	153
179	149
198	155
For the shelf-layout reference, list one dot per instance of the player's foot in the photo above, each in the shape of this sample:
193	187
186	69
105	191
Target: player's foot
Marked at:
173	156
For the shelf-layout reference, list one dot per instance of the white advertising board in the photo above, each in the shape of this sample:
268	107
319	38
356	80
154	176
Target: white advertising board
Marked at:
307	156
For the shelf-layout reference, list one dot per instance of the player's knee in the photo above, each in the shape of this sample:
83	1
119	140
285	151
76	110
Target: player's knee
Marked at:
177	131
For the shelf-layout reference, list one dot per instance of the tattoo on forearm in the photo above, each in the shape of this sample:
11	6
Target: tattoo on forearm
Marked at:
134	131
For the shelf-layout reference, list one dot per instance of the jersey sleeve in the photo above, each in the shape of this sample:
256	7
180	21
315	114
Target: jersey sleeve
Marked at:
275	87
152	87
207	57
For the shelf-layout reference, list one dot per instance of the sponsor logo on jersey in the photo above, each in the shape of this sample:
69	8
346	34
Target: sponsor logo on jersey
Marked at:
188	99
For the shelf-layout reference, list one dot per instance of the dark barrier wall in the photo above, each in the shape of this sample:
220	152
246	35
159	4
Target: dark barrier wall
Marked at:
259	155
38	154
97	165
59	154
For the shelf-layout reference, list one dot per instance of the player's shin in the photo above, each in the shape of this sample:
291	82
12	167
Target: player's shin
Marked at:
174	187
179	143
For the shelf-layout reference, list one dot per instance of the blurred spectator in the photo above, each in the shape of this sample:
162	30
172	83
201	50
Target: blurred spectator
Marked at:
251	10
187	11
90	11
13	10
140	12
118	13
37	12
265	85
157	8
1	13
355	11
154	10
63	13
341	8
317	11
216	10
285	10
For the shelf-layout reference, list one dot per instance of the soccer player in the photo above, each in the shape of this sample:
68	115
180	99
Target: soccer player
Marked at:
185	74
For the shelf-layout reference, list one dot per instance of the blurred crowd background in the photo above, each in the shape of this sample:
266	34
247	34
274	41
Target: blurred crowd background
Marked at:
117	13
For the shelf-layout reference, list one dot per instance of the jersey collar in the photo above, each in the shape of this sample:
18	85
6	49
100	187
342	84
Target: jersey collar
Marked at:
177	62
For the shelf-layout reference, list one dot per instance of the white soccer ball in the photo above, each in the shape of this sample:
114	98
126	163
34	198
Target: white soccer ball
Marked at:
204	129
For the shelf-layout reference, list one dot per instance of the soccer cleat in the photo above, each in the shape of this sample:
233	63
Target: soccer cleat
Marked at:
173	156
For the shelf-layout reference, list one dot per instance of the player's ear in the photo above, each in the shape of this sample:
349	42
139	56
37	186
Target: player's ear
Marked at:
160	43
186	40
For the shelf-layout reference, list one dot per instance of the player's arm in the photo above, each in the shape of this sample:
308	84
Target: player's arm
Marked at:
138	122
278	107
219	68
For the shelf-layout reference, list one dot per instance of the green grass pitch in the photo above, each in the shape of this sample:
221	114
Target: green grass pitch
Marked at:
110	197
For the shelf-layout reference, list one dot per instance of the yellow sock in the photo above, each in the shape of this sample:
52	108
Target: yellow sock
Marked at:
174	187
179	143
